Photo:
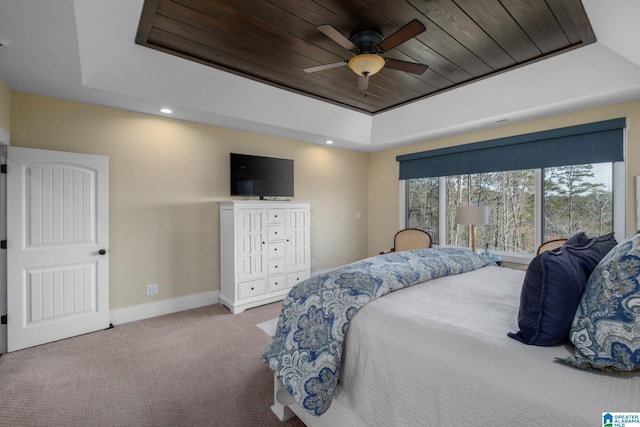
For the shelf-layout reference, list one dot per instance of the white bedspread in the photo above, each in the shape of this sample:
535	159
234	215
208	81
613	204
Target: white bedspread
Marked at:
438	354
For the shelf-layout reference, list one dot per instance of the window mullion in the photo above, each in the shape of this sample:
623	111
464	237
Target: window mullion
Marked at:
442	211
538	208
403	192
619	201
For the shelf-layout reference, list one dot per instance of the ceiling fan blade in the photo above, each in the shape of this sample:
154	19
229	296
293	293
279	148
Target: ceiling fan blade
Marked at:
409	67
335	35
324	67
363	82
410	30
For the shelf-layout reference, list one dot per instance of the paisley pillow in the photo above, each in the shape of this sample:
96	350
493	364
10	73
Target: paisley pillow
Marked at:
606	327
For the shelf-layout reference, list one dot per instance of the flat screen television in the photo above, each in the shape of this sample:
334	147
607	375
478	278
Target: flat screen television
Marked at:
261	176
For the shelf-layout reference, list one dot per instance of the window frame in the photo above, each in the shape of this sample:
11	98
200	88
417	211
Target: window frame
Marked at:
619	190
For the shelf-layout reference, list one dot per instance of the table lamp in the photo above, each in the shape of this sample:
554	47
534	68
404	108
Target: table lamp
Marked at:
473	215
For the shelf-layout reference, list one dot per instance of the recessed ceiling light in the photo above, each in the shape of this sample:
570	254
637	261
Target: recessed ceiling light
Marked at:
166	110
329	142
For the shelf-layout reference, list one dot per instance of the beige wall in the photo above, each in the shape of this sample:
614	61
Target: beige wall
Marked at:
166	179
383	168
5	102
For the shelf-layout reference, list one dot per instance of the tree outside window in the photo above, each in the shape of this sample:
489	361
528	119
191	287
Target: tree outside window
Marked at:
578	198
423	206
574	198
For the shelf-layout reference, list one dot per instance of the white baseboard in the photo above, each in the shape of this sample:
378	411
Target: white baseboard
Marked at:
154	309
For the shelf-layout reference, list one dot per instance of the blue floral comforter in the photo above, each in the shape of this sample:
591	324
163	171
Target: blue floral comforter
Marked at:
307	349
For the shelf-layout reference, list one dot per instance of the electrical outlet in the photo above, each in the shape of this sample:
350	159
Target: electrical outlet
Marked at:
152	289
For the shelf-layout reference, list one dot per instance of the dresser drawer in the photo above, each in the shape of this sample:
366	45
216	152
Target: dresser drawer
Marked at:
276	283
275	232
297	277
252	288
275	216
275	250
275	266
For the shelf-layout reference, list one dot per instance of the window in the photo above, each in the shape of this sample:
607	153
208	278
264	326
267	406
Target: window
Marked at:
572	198
538	186
423	206
578	197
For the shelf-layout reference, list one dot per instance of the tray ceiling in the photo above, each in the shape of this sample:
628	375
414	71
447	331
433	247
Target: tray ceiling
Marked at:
272	41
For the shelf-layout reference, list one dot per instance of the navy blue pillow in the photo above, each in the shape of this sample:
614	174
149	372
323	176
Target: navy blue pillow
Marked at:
578	239
552	288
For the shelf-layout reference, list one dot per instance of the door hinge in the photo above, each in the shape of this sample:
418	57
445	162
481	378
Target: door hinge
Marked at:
3	168
3	320
3	244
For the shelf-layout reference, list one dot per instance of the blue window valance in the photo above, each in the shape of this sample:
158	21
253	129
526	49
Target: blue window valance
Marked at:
575	145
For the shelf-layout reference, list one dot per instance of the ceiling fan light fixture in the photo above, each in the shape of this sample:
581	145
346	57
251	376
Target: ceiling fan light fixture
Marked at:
366	64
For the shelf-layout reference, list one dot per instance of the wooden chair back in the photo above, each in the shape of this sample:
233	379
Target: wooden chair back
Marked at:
409	239
550	245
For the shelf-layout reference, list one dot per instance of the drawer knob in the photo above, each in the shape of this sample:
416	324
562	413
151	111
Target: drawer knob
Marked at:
252	288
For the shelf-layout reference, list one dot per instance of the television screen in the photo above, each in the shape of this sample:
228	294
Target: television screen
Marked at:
261	176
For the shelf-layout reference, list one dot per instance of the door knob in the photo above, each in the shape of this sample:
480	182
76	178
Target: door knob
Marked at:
102	252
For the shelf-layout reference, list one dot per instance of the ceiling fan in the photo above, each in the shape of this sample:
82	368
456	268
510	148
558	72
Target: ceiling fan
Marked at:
367	47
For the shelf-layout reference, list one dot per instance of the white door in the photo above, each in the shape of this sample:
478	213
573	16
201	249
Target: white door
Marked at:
3	253
57	245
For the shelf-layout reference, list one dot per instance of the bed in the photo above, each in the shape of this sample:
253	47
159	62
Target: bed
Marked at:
437	353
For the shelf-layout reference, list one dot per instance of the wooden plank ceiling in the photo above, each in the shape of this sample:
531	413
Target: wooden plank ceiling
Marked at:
272	41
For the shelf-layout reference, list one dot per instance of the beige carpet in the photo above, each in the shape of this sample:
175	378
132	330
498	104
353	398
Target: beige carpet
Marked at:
199	367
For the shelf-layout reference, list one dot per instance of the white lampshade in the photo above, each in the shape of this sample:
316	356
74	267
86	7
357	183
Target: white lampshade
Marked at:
475	215
366	63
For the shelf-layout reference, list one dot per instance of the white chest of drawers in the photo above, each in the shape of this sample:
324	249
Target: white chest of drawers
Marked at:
264	251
